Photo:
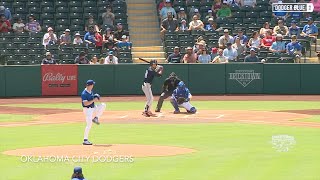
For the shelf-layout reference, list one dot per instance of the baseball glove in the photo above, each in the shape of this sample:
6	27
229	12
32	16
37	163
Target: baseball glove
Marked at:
97	96
181	100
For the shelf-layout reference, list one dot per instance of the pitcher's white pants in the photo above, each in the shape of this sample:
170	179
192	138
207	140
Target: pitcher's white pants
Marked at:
146	88
90	113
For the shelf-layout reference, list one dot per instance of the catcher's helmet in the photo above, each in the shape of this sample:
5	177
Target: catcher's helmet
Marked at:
181	84
153	61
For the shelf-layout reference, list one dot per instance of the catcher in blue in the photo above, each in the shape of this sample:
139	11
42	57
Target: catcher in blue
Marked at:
91	110
154	70
181	98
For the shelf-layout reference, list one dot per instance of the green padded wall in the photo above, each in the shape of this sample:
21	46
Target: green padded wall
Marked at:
245	78
2	82
282	79
103	75
23	80
310	74
207	78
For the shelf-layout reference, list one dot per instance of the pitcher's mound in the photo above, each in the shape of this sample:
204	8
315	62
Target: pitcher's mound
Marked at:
125	150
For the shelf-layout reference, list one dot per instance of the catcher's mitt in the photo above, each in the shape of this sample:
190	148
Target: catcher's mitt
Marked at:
181	100
97	96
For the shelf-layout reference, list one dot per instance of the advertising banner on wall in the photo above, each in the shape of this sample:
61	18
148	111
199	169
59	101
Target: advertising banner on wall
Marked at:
59	80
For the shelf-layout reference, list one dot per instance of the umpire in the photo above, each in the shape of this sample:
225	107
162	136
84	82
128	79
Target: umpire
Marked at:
169	85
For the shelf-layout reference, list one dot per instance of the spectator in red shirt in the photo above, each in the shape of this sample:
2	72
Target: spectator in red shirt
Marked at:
5	25
268	40
99	40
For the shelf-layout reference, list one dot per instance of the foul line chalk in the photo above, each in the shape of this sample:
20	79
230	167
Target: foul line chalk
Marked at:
123	116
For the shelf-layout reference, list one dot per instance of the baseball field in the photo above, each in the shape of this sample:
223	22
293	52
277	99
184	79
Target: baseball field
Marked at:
230	138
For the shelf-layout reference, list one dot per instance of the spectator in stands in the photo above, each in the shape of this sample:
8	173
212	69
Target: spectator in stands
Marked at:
120	32
94	60
196	24
175	57
91	23
165	10
209	15
183	27
310	30
199	47
190	56
268	40
77	174
181	15
252	57
295	15
48	59
49	38
196	12
281	28
316	6
5	25
108	17
255	41
226	38
77	40
81	58
6	13
33	25
279	14
111	59
279	46
230	53
225	11
89	37
214	53
264	29
124	44
204	57
169	24
294	29
65	39
101	60
215	7
210	24
161	5
18	26
251	3
220	58
99	40
239	47
108	37
243	38
294	49
234	2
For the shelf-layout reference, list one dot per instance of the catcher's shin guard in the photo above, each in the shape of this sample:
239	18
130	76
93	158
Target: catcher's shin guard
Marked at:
193	110
174	104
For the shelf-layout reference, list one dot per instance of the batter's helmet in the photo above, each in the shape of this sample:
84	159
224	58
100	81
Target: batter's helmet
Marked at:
153	61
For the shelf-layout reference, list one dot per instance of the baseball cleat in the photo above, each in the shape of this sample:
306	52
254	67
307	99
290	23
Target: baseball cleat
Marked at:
87	143
176	112
157	110
96	120
145	114
151	114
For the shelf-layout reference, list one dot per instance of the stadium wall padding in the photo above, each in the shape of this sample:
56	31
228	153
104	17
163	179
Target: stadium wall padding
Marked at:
126	79
22	81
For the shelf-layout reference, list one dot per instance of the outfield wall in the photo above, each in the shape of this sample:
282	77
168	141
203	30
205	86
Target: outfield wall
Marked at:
125	79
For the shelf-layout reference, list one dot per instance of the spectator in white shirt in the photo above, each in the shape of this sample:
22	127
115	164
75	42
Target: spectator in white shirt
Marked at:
77	40
111	59
18	26
230	53
49	38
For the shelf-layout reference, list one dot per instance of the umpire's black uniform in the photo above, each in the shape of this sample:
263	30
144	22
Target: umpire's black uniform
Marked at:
169	85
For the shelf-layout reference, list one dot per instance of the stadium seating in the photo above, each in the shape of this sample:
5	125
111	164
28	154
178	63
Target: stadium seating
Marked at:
27	48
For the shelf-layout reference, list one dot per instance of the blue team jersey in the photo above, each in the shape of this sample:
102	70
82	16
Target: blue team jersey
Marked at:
85	95
149	75
310	29
181	92
292	47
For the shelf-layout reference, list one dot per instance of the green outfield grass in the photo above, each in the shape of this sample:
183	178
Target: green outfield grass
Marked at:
225	151
230	105
15	118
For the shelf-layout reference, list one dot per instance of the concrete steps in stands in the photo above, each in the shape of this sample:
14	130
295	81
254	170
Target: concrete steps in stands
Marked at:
144	30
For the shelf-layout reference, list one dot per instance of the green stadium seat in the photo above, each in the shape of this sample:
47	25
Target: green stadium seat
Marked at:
76	9
17	4
48	9
75	15
89	3
61	15
77	22
23	46
266	14
46	4
21	10
61	3
47	16
75	4
103	3
34	9
62	9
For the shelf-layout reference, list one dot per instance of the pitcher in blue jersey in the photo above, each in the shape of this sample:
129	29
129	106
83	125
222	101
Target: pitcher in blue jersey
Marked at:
181	98
91	110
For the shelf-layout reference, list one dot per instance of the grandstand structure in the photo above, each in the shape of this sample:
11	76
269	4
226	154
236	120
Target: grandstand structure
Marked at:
139	17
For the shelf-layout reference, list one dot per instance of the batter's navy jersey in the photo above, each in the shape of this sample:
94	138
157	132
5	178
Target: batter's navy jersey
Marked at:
149	75
85	95
184	92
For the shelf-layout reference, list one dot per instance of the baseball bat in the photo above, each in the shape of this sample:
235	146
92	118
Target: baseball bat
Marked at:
144	60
